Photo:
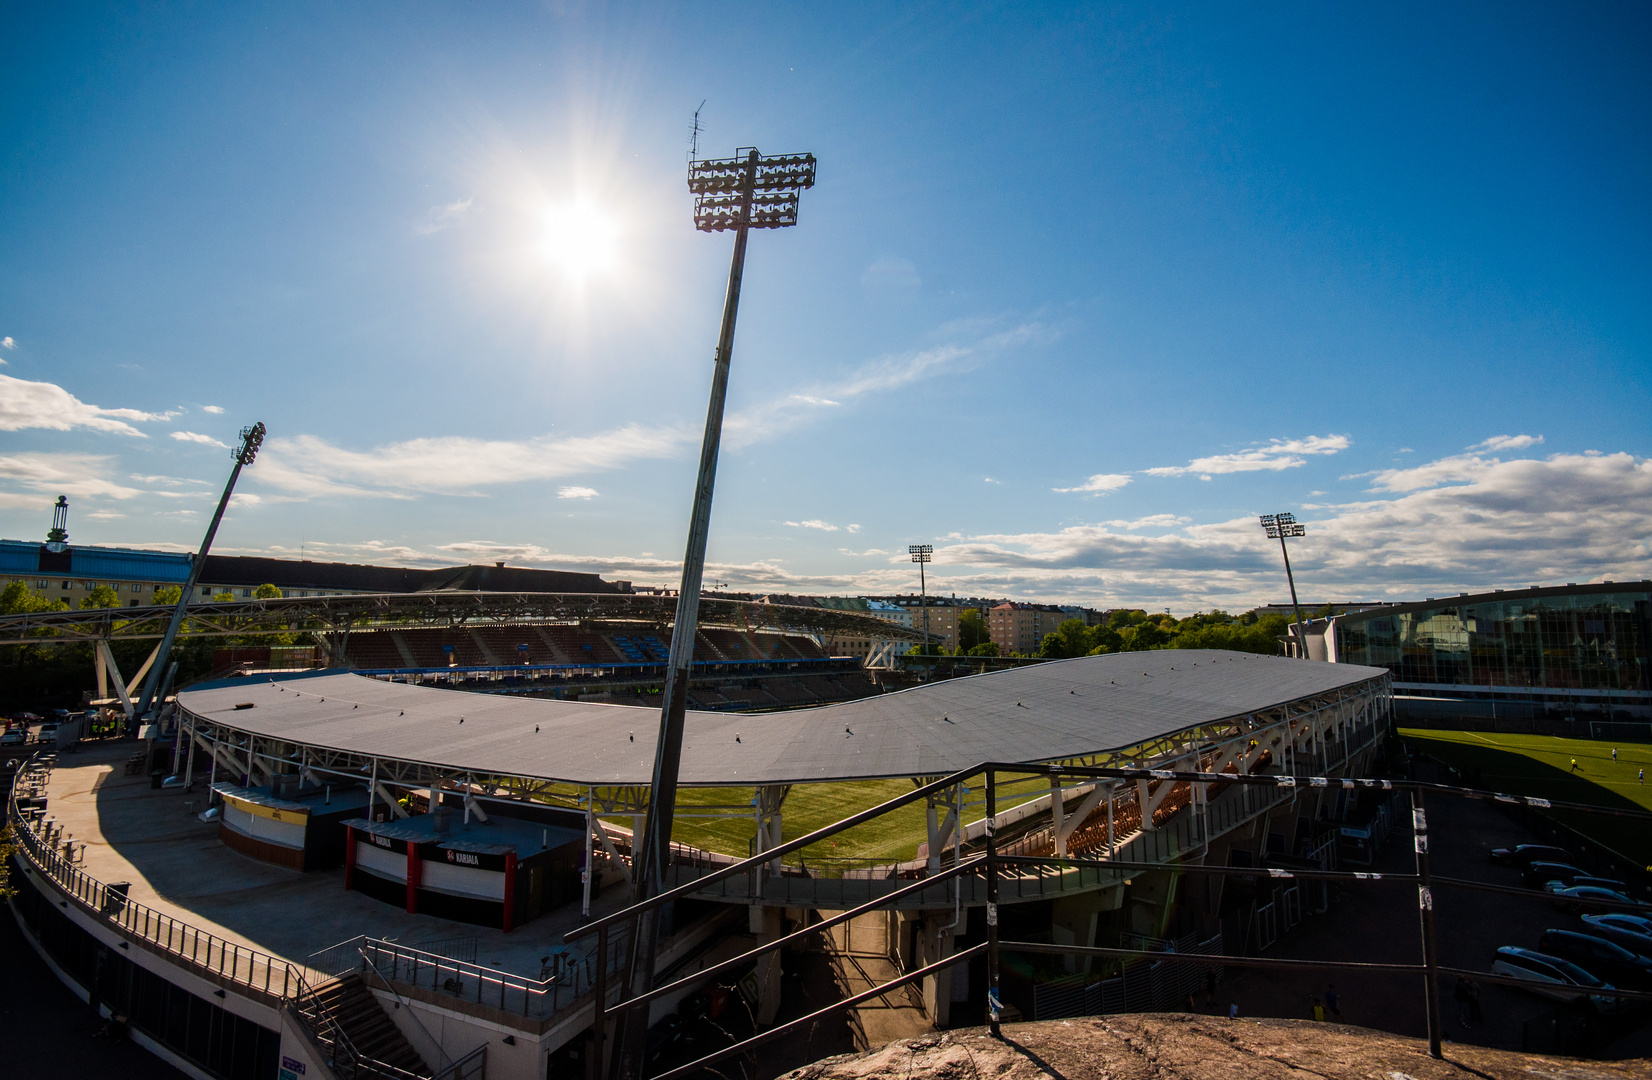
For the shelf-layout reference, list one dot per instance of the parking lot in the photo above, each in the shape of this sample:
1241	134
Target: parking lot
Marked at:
1378	922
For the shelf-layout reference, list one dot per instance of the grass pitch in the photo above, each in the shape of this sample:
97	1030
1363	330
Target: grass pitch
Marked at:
1542	765
893	837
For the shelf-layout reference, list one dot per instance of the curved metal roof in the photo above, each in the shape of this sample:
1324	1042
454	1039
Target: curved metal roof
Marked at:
1044	712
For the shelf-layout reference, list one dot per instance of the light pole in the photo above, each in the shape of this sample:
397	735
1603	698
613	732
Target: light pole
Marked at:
251	439
1279	526
739	193
921	554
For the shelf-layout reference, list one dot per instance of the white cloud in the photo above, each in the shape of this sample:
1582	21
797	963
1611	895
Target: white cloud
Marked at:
852	528
1151	521
576	493
863	554
213	409
197	437
1506	442
990	480
1099	484
64	474
25	404
307	465
890	276
1278	454
8	342
442	217
816	524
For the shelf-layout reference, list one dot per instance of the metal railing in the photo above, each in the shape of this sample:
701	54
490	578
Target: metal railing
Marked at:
564	987
255	974
999	870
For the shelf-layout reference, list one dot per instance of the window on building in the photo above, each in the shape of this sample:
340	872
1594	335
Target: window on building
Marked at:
42	584
136	587
246	592
68	585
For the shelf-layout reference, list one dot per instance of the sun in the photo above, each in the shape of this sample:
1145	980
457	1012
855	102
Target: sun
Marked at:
582	239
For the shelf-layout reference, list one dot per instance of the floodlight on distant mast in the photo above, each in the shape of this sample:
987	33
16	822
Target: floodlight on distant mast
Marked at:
923	554
740	193
1279	526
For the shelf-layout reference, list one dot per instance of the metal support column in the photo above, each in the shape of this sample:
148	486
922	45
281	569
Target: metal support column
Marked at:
1425	905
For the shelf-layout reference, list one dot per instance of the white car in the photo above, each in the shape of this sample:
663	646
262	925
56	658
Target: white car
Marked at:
1555	978
14	737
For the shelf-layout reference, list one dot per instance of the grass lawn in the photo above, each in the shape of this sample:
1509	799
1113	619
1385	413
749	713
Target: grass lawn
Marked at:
1541	765
893	837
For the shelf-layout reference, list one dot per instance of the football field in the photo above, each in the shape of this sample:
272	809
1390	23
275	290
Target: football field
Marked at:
1551	767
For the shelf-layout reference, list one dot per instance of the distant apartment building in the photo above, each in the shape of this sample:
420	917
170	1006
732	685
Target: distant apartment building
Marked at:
1020	628
942	616
859	644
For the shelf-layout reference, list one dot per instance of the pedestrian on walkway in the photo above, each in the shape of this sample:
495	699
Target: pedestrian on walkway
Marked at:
1643	777
1233	1010
1318	1011
1574	765
1333	1003
1614	755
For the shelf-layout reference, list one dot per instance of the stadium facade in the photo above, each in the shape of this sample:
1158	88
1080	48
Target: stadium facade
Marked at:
1574	650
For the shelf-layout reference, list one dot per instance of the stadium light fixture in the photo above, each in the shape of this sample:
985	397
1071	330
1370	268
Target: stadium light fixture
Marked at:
734	194
1278	527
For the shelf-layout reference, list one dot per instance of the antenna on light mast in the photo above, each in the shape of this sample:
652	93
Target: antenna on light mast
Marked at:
694	136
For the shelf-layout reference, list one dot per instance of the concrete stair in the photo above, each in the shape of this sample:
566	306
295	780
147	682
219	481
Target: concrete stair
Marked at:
358	1014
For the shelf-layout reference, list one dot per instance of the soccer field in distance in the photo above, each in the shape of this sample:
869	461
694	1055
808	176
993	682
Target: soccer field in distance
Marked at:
1541	765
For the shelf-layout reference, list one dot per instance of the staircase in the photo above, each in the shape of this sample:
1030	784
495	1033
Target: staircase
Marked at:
371	1044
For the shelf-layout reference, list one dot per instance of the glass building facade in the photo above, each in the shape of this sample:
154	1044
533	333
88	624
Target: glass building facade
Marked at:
1590	640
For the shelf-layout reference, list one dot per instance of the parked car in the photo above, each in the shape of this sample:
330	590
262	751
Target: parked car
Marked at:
14	737
1554	977
1521	854
48	731
1566	896
1539	874
1599	957
1633	932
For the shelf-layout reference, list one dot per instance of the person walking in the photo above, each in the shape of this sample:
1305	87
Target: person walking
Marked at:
1643	777
1614	755
1333	1003
1574	765
1318	1012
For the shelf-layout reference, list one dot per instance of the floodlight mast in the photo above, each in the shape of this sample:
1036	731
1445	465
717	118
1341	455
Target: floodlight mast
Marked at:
251	439
740	193
922	554
1279	526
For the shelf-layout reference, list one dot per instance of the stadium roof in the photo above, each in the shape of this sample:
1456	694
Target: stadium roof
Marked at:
1044	712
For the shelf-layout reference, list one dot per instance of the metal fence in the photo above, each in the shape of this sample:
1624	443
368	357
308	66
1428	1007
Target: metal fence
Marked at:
1158	977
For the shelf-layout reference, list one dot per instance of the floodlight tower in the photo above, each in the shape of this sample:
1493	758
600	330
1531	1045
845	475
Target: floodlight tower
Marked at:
251	439
1279	526
922	554
740	193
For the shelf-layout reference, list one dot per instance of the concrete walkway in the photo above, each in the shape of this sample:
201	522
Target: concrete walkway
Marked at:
177	865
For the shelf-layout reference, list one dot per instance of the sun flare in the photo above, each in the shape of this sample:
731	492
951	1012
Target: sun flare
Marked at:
581	239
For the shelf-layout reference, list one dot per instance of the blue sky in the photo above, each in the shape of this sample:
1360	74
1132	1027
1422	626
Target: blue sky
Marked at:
1079	291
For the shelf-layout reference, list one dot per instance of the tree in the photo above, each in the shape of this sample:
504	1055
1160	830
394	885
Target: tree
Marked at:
101	597
1071	638
1119	618
18	599
1106	640
267	591
972	631
985	648
168	595
225	597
